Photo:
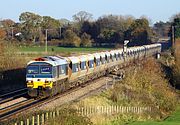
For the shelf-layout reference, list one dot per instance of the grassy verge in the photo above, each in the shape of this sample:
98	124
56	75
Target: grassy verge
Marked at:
173	119
60	49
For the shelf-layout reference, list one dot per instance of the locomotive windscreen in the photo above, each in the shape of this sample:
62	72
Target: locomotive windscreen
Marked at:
45	69
33	70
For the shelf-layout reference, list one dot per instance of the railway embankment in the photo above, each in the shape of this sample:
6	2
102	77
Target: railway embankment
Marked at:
143	86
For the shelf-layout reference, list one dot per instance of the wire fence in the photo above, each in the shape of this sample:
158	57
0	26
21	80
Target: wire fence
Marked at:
109	110
41	119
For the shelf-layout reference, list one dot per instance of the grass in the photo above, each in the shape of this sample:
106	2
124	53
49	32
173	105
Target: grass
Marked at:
60	49
174	119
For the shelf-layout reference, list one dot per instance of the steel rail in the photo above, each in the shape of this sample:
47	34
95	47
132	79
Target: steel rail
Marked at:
12	97
10	93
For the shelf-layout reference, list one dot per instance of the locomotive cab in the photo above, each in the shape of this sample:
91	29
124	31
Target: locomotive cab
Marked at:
43	75
39	76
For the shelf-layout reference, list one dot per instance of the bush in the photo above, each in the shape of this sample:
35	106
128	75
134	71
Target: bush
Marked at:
2	34
86	40
71	39
146	86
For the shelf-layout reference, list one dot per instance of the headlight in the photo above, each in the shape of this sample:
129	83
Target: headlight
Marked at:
47	82
30	82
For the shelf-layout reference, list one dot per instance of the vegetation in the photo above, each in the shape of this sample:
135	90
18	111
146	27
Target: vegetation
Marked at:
162	29
176	66
176	24
173	119
147	80
61	49
11	68
140	32
69	117
107	30
8	58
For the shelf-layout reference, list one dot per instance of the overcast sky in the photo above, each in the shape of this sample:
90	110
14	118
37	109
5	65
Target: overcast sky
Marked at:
156	10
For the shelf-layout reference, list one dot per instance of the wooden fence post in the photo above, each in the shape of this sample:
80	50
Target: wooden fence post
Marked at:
33	120
54	114
38	120
57	112
27	121
50	115
108	109
81	111
42	118
47	115
21	122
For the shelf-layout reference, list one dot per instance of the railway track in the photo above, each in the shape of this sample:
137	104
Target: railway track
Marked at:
7	110
11	111
12	95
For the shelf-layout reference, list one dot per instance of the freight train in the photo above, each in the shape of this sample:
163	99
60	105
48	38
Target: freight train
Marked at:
50	75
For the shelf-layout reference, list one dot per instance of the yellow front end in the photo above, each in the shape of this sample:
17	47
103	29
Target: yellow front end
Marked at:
37	88
36	84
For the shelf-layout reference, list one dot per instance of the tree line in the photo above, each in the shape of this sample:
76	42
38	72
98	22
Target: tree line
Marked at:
107	30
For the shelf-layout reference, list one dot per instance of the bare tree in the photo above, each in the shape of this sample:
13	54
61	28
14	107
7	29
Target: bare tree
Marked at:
82	16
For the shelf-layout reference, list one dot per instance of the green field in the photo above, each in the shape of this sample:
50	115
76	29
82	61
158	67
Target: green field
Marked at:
60	49
173	119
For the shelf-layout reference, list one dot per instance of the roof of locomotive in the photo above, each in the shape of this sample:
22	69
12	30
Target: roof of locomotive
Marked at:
52	60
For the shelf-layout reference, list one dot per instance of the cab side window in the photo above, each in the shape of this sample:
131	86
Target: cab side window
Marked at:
62	69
